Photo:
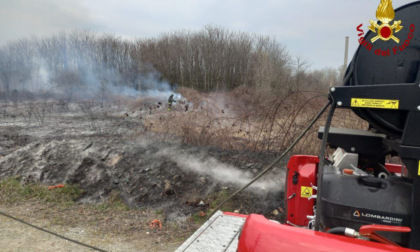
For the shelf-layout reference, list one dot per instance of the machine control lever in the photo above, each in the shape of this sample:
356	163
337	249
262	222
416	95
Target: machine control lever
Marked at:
369	232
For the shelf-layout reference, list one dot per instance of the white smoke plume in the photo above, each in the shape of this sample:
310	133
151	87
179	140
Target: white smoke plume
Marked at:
223	173
81	65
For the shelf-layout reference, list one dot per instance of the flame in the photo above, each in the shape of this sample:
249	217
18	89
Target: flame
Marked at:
385	12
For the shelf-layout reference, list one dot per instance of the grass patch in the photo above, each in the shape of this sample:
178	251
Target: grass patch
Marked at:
218	198
198	219
12	191
159	211
114	202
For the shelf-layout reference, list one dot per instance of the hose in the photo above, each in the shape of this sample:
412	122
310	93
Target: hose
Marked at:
337	230
269	167
321	164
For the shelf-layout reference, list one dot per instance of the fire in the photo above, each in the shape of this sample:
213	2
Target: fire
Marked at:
385	12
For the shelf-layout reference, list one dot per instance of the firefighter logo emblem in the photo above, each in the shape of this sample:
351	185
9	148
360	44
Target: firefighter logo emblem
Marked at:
385	14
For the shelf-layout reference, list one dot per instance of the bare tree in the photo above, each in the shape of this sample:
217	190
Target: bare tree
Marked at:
211	59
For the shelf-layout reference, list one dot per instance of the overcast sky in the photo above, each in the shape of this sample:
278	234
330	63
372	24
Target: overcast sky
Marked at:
314	30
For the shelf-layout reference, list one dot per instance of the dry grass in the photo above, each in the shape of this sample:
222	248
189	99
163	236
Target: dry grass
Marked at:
12	191
246	120
57	207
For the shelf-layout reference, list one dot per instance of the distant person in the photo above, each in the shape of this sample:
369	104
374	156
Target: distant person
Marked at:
170	101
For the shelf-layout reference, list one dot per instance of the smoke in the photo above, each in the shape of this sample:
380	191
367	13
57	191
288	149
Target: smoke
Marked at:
102	83
155	89
223	173
81	65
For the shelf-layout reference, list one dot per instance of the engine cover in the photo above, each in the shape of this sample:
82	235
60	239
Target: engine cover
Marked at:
352	201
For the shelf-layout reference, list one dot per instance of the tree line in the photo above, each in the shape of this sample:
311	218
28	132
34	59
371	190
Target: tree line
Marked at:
84	62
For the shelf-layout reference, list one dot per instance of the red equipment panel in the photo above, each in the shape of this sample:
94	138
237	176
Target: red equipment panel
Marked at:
301	176
394	168
262	235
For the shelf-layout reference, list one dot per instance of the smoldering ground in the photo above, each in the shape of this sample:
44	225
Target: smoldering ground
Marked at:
154	175
223	173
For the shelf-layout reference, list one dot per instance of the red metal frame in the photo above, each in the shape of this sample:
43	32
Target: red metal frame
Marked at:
394	168
262	235
302	169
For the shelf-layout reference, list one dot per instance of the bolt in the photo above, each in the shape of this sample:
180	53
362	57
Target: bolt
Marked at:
418	107
419	85
332	89
339	103
353	149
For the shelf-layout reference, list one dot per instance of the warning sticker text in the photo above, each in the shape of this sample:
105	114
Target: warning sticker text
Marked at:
374	103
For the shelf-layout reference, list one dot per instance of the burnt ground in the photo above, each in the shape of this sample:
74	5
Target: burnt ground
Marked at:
105	151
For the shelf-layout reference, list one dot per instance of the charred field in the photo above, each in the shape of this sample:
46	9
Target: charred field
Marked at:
107	153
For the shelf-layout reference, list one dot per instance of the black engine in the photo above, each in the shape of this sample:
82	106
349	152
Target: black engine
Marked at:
358	189
355	200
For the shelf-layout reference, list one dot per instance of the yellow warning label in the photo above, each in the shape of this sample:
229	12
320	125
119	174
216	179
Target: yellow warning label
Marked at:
305	192
419	168
374	103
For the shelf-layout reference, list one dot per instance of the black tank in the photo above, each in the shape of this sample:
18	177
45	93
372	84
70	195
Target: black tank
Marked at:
401	66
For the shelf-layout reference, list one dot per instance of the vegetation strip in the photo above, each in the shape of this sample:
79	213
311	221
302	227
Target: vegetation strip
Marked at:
50	232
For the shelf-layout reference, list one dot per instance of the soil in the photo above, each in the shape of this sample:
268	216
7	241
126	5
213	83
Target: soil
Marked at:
107	151
137	237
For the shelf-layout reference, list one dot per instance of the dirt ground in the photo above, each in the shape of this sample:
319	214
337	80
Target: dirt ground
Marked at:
16	236
108	152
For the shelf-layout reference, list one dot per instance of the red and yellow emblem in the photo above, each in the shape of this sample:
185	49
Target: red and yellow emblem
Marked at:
385	13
